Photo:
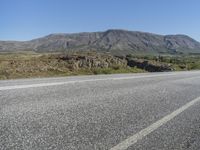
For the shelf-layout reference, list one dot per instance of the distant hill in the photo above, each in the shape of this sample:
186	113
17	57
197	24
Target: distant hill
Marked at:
118	42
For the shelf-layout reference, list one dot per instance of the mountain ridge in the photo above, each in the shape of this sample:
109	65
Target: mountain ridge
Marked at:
114	41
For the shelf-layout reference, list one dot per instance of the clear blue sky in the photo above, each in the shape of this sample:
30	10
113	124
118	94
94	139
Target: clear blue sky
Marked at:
28	19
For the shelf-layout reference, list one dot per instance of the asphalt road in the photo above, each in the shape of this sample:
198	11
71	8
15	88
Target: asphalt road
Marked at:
158	111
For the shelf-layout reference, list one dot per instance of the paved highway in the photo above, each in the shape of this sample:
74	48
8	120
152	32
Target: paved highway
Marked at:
157	111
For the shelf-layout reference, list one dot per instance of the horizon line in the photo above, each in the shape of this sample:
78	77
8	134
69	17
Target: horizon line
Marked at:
98	31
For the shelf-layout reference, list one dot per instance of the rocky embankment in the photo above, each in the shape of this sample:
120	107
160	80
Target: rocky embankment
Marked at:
80	61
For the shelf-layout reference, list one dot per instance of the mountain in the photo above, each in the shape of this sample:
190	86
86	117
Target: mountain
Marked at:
119	42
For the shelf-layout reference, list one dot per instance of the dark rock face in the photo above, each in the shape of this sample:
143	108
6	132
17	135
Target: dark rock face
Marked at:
118	42
150	67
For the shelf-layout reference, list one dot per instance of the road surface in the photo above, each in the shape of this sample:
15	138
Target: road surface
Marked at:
157	111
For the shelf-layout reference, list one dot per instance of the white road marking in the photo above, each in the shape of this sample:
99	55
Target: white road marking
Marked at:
78	81
140	135
81	81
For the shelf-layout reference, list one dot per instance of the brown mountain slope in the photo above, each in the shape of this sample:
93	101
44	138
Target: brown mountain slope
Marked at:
119	42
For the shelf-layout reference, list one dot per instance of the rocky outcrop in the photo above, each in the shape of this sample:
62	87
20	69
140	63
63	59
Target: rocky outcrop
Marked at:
88	61
93	61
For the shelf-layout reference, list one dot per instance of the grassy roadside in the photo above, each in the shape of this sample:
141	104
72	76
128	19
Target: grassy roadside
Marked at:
29	64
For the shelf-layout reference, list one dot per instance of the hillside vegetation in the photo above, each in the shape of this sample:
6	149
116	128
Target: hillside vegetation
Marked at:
176	62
